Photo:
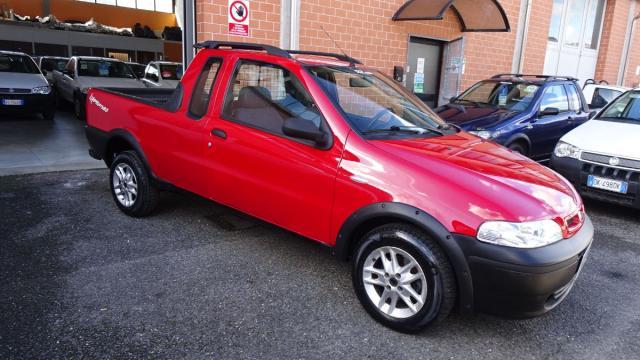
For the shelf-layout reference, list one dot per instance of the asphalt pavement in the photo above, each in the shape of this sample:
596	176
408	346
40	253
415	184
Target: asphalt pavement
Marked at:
79	279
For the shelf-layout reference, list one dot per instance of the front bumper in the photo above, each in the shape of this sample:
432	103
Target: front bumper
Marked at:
577	172
523	283
32	103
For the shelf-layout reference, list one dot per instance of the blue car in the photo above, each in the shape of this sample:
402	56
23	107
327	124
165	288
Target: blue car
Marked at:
526	113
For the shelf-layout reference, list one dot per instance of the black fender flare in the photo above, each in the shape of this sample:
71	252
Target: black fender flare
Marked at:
393	211
100	142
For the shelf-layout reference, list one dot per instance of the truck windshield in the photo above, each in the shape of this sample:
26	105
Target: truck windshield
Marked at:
171	72
376	104
17	64
104	68
503	94
626	109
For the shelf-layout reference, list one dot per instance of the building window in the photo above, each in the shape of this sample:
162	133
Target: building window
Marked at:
153	5
594	24
556	19
573	25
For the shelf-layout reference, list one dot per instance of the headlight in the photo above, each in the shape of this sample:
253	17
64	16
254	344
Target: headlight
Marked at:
483	134
520	235
44	90
566	150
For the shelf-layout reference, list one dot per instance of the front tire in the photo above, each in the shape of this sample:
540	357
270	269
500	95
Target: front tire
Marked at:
402	278
131	186
518	147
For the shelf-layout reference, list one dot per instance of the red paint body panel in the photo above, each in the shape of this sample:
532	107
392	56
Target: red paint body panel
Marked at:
458	179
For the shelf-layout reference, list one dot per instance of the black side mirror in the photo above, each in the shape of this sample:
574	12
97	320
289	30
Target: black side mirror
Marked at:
550	111
592	114
303	129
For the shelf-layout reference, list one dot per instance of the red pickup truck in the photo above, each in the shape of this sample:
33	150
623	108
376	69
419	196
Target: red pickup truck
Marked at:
431	217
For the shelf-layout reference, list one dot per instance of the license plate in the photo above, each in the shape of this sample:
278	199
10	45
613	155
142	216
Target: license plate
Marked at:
13	102
607	184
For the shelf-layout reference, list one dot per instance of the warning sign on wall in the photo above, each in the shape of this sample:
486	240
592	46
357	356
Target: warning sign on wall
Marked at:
239	17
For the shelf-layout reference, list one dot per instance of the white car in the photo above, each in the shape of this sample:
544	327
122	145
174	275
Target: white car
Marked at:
599	95
23	87
84	72
602	157
163	74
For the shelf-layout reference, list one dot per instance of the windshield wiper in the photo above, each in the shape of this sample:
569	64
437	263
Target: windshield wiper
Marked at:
405	129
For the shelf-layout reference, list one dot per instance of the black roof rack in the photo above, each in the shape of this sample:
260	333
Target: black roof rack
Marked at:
340	57
271	50
543	77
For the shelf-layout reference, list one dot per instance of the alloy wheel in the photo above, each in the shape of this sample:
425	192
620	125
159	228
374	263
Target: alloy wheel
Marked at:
125	185
394	282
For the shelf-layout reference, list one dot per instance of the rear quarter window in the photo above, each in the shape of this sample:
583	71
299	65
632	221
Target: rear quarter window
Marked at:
201	95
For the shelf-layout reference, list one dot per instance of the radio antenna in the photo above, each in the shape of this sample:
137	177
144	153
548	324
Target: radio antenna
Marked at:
351	63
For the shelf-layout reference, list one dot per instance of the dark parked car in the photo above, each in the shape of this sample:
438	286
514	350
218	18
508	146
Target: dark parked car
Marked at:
526	113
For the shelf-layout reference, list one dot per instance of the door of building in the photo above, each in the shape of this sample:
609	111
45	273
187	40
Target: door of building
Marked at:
424	64
574	38
452	70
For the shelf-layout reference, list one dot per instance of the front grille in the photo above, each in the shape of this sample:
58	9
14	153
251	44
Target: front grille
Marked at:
611	172
14	91
604	159
630	176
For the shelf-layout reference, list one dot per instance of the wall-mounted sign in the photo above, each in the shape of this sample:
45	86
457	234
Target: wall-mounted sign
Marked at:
238	17
420	66
418	83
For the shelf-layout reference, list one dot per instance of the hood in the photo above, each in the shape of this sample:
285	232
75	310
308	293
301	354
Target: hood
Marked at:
517	188
105	82
21	80
475	117
606	137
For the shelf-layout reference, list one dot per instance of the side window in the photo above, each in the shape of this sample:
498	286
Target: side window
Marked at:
575	98
555	97
204	86
265	95
152	73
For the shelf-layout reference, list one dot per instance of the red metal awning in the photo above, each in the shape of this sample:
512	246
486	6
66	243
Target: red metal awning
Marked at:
474	15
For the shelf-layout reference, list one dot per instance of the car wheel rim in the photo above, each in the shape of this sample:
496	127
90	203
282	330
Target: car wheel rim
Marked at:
394	282
125	185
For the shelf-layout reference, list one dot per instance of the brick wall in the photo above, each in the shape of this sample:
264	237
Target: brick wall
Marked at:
211	21
365	30
612	43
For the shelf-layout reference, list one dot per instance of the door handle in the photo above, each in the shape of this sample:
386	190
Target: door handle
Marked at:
219	133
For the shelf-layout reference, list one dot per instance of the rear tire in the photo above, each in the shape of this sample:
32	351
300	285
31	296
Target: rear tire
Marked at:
416	290
131	186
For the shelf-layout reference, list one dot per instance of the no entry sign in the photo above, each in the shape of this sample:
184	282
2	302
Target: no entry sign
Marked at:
239	17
